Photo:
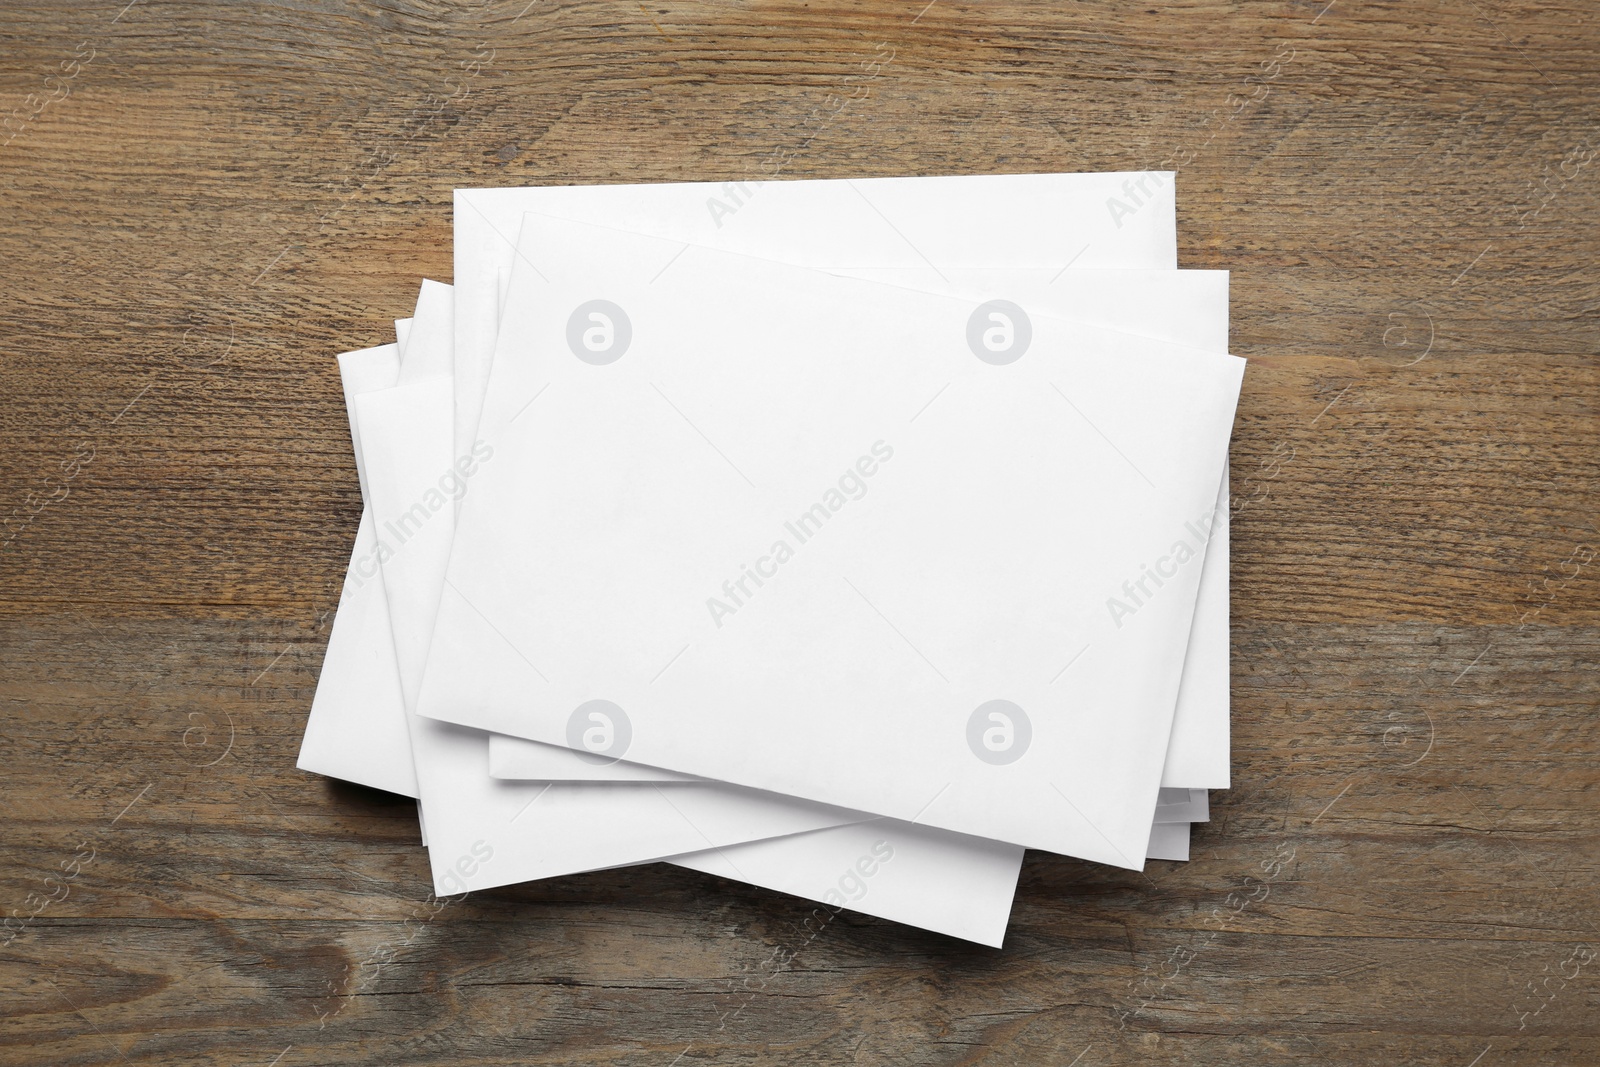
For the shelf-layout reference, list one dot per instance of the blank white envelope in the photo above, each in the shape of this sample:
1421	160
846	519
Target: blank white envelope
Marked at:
1008	540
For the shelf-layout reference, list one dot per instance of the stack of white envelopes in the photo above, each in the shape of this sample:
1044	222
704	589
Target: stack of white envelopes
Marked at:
844	538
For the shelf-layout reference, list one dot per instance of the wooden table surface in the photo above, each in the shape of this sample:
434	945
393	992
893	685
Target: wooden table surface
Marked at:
204	202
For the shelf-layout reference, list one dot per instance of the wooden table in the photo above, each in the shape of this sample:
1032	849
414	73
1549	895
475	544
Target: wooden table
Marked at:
203	203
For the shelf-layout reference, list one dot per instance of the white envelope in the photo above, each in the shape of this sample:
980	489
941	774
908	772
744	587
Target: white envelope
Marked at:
1176	423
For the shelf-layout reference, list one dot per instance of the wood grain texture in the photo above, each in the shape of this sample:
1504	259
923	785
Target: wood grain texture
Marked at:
207	201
